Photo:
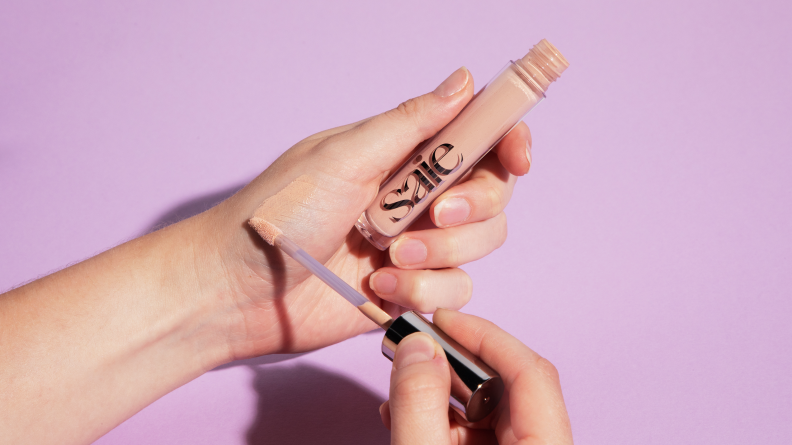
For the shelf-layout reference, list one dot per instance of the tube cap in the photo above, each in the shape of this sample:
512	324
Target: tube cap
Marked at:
475	388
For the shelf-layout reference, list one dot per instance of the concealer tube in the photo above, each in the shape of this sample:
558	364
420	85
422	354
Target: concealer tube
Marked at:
444	159
475	388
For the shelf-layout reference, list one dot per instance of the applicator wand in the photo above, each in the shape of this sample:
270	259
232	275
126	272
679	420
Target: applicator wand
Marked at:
274	236
475	388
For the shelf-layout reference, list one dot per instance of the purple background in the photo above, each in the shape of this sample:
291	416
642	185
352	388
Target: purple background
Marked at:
650	248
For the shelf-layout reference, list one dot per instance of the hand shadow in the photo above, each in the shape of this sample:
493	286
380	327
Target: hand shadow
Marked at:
192	207
298	404
303	404
201	204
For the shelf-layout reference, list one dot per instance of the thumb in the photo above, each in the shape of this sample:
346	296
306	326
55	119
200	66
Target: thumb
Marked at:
316	210
419	391
381	143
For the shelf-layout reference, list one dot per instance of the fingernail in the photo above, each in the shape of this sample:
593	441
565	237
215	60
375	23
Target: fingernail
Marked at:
453	84
381	407
406	252
414	348
383	283
528	154
451	211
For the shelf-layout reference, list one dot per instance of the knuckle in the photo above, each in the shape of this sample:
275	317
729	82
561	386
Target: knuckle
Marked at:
467	286
502	229
418	291
407	108
410	112
495	199
454	251
548	370
420	387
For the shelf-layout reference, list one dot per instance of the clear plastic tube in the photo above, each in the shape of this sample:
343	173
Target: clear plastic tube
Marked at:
444	159
318	269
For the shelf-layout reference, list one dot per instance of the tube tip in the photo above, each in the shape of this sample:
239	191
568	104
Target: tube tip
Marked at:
548	60
553	56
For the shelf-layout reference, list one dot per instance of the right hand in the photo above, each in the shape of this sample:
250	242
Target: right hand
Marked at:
532	410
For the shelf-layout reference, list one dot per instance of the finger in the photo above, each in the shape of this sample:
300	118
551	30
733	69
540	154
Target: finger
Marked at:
534	389
483	196
382	142
423	290
490	186
461	435
514	150
384	410
419	391
451	247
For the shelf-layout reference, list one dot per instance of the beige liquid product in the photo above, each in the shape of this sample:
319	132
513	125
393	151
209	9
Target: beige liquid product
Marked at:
442	160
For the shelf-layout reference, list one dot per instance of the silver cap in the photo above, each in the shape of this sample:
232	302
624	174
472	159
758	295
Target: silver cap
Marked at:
475	388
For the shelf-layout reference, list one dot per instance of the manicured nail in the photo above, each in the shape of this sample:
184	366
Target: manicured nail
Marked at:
453	84
451	211
414	348
406	252
528	154
383	283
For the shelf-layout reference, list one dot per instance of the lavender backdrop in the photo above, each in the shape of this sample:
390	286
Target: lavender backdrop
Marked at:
650	250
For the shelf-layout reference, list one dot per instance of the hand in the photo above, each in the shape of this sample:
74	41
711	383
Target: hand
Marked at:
532	410
103	338
277	306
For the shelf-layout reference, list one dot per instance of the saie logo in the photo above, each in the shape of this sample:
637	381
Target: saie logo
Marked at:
421	181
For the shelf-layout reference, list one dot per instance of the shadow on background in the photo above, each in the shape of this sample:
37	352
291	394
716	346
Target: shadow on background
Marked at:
193	207
257	361
299	404
307	405
276	358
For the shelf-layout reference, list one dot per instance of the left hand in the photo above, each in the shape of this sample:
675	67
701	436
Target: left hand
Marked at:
276	306
99	340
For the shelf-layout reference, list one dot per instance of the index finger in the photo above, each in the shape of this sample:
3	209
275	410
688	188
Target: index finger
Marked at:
535	400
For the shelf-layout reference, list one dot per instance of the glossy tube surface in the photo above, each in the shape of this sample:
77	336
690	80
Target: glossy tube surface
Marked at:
475	388
444	159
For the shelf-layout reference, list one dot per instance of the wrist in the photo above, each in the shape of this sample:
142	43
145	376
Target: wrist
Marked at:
233	300
136	321
196	281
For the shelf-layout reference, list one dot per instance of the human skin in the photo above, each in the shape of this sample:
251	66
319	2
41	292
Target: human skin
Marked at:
532	410
89	346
